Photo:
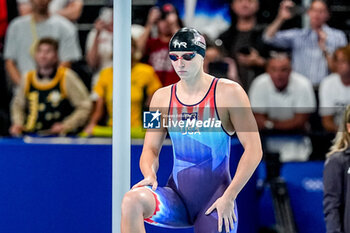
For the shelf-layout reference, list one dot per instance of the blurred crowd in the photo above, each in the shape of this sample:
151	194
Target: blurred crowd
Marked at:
297	79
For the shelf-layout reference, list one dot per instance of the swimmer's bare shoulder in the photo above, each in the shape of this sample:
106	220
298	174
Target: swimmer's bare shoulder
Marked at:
230	94
154	139
161	99
233	106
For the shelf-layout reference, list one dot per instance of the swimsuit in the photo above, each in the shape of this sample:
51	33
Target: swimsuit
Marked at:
201	166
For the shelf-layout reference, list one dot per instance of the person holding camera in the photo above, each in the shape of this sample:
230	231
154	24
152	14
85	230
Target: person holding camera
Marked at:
218	65
155	48
99	43
311	47
242	40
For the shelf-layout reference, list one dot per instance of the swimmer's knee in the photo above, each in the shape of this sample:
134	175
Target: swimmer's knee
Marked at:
132	199
138	201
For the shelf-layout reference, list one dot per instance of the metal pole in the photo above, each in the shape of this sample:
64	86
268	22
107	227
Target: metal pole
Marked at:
121	107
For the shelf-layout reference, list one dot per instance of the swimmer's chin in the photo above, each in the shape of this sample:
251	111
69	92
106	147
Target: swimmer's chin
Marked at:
182	73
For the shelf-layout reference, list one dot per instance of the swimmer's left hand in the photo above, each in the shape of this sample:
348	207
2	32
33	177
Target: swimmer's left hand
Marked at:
147	181
225	209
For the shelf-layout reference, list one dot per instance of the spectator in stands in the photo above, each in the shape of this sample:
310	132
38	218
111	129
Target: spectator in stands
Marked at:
51	99
243	41
156	49
334	92
70	9
144	80
8	11
311	47
99	43
282	101
219	66
5	97
336	179
25	31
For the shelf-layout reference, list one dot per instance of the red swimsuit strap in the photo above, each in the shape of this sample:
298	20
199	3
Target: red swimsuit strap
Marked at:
209	97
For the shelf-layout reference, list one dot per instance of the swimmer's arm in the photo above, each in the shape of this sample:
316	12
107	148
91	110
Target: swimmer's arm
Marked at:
149	161
242	119
235	100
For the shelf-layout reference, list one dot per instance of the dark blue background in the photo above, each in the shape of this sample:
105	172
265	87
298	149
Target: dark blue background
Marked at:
55	188
68	189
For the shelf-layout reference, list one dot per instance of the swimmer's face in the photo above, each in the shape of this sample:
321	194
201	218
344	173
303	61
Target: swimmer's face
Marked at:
186	64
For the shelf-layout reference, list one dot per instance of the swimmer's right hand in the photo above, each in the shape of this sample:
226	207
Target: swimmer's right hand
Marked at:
147	181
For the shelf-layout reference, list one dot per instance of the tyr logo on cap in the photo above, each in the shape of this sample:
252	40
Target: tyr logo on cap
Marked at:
179	44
